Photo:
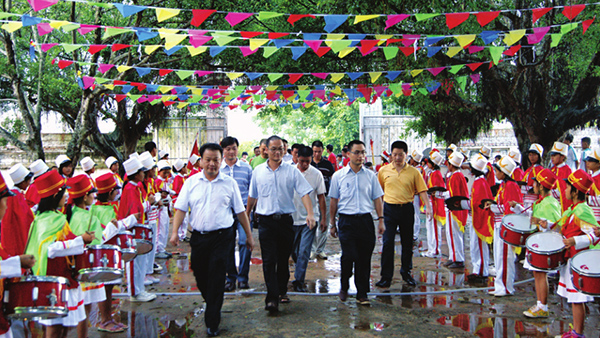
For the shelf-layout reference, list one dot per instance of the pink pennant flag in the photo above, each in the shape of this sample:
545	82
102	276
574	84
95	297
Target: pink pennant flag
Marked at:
409	39
247	51
483	18
319	94
62	64
38	5
235	18
142	99
47	46
199	15
215	105
572	11
295	77
394	19
313	44
539	12
88	81
322	76
380	89
199	40
435	71
475	49
322	51
475	77
44	28
587	23
84	29
103	68
538	35
455	19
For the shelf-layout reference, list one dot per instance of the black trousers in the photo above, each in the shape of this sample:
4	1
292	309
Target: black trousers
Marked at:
397	216
357	239
276	243
209	261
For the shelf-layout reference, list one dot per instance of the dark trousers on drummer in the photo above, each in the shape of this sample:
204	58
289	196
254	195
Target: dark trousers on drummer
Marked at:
210	253
357	239
276	236
397	216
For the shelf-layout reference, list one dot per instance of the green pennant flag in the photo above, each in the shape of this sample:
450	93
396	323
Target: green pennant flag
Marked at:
134	98
101	80
496	53
268	51
223	40
302	94
100	4
390	52
274	76
4	15
245	106
155	102
423	91
339	45
111	31
184	74
462	82
258	98
396	88
70	48
425	16
268	15
454	69
194	98
70	27
564	29
555	39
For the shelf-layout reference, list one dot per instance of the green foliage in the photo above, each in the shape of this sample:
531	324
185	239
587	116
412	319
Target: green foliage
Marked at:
15	126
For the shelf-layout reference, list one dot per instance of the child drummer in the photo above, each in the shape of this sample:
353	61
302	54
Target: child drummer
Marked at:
545	208
53	243
580	229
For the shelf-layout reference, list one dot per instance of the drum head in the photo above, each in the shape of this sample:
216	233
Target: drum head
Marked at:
586	263
143	246
45	312
519	223
545	242
99	274
128	254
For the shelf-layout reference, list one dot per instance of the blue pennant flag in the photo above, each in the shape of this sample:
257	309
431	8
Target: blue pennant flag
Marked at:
432	86
214	51
181	89
354	76
173	50
254	76
282	42
30	20
351	93
297	52
144	33
357	36
489	36
334	21
183	97
312	36
296	105
143	71
431	51
309	97
433	39
126	89
321	104
128	10
151	88
393	75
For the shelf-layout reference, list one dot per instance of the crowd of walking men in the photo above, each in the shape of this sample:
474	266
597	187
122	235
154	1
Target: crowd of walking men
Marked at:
295	199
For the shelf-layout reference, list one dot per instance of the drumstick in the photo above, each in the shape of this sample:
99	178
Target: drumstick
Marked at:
90	223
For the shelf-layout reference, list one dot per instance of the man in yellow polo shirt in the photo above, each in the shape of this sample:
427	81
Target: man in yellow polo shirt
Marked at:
400	183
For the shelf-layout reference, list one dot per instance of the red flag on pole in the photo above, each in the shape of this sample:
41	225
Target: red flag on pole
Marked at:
195	151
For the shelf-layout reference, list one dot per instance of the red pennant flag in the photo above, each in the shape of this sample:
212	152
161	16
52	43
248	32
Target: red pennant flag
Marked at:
258	106
322	51
455	19
287	93
168	103
163	72
277	35
250	35
294	78
199	15
572	11
140	86
539	12
512	50
119	82
295	17
474	66
366	46
96	48
388	41
271	94
120	97
587	23
62	64
408	50
118	46
366	93
486	17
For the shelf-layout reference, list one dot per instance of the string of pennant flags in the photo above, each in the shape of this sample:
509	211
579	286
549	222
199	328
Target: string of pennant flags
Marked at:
332	21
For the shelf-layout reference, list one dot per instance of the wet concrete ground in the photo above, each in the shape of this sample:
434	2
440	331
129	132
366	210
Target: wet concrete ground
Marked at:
460	314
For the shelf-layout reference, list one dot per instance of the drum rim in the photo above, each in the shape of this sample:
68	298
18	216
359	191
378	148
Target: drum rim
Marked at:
63	311
124	232
103	246
546	253
53	279
582	273
114	271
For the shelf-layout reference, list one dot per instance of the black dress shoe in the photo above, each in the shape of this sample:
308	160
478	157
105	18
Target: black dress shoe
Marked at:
343	295
448	262
456	265
212	333
409	279
272	307
299	287
243	285
229	286
383	283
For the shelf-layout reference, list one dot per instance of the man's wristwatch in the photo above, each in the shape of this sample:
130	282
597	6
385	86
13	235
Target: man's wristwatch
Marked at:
380	217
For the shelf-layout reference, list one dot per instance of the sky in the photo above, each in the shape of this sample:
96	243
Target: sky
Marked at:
242	126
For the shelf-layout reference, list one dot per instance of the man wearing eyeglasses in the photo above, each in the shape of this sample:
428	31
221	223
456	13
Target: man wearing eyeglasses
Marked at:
272	191
353	191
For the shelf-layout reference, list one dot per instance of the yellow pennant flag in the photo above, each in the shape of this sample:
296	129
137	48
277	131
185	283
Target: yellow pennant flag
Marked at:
416	72
109	86
163	14
271	88
165	89
361	18
382	38
335	103
233	76
12	26
337	90
122	69
335	77
195	51
173	40
167	98
182	104
308	104
163	32
302	87
465	40
58	24
149	49
255	43
374	76
513	36
346	51
334	37
453	51
196	91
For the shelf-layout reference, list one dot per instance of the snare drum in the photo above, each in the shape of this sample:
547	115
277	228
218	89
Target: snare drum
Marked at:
36	297
516	229
124	240
99	263
586	272
142	237
546	250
